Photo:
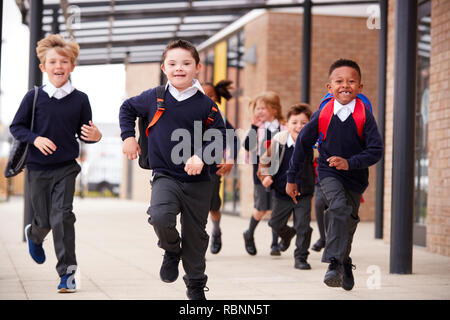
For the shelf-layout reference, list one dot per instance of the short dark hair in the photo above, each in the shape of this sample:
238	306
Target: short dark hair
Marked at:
345	63
298	109
183	44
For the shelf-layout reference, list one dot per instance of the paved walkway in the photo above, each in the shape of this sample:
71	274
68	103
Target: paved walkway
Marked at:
118	259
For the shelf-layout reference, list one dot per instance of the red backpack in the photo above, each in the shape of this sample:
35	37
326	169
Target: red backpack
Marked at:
326	113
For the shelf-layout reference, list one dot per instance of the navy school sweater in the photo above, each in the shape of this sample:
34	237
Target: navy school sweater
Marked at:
343	141
177	114
304	179
59	120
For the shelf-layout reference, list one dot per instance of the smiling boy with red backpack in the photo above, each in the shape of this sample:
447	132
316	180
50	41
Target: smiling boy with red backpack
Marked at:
349	143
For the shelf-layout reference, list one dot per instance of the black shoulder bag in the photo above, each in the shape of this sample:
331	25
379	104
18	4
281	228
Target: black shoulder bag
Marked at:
19	150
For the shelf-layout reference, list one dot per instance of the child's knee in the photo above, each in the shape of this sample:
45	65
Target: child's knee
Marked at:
163	215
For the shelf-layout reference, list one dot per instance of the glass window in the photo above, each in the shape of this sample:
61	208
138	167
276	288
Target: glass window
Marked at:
422	108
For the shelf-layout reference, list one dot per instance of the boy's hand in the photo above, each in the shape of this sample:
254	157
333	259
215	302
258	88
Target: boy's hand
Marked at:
194	165
267	181
338	162
224	168
90	132
45	145
131	148
292	191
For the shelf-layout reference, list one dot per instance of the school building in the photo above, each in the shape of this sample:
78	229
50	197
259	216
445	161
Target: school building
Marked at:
263	51
403	49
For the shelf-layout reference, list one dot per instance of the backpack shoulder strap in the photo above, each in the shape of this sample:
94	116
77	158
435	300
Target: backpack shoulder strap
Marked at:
359	115
211	115
325	100
365	100
326	113
160	92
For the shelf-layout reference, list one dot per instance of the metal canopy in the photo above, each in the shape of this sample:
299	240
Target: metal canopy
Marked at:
119	31
138	31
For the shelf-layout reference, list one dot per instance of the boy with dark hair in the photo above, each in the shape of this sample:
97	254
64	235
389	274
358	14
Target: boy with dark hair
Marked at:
62	114
272	169
177	186
350	143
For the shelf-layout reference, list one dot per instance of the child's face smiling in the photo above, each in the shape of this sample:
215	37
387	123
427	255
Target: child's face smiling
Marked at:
296	123
263	112
57	67
180	68
344	84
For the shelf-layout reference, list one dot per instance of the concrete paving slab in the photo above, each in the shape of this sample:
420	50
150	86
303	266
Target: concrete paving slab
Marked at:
119	259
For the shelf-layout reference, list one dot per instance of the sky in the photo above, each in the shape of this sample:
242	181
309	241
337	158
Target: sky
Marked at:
105	85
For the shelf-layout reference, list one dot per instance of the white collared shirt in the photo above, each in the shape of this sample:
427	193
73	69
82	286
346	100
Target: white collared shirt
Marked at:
343	111
272	126
58	93
290	141
185	94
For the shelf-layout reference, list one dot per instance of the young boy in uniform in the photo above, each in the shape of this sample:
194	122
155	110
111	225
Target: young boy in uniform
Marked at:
348	147
62	114
177	186
273	167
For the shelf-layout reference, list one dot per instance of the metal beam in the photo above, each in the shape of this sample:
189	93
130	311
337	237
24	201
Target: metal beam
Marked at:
402	211
34	78
35	74
382	60
306	51
141	42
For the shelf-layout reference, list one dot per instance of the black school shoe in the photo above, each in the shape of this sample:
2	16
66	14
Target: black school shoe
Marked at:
286	234
334	274
196	288
319	245
302	264
216	243
348	281
275	250
169	268
249	243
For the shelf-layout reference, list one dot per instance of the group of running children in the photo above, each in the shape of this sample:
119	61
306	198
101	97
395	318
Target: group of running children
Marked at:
285	173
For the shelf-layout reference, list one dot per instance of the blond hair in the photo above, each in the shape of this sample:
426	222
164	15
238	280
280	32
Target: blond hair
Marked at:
272	100
69	49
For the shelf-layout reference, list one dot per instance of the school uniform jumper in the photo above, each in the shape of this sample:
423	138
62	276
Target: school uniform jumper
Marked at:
51	178
173	190
341	188
254	143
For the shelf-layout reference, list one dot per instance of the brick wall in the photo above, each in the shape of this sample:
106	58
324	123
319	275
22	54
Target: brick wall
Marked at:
438	214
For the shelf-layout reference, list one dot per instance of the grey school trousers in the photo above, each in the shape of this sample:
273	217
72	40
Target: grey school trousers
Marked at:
192	199
342	212
281	212
51	193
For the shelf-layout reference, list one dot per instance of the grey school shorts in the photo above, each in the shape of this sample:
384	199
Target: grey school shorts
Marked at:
216	202
262	198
